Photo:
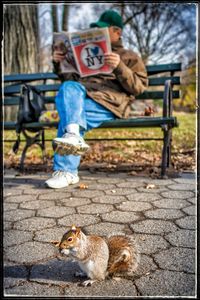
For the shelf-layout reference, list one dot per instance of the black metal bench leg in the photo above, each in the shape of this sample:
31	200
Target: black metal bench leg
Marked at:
21	167
38	139
166	151
42	145
169	148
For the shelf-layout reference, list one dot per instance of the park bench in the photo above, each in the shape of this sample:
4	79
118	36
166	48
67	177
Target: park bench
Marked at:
163	76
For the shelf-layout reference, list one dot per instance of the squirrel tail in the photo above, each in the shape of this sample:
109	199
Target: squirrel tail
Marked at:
123	256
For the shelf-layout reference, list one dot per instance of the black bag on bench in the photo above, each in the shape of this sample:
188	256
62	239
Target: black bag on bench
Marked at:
31	104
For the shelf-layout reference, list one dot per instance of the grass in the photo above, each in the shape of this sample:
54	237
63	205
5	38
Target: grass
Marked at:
184	141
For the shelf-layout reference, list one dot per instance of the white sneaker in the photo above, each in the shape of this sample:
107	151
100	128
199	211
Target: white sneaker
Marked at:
70	143
61	179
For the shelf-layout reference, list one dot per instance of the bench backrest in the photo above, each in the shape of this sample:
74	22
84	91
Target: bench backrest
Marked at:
157	74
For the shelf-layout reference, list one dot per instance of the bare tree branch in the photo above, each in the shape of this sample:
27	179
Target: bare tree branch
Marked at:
155	29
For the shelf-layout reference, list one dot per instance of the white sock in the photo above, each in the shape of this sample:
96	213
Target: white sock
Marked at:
73	128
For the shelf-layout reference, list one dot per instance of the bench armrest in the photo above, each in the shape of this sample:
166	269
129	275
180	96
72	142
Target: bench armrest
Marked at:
167	101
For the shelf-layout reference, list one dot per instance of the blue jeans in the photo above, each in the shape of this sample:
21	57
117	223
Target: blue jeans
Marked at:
74	106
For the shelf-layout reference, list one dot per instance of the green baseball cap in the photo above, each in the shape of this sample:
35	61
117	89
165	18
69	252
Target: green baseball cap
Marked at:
109	18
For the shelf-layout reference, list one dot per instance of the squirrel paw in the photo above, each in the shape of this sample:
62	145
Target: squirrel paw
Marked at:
87	282
79	274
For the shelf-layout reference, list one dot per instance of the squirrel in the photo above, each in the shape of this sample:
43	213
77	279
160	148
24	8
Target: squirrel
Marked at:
97	257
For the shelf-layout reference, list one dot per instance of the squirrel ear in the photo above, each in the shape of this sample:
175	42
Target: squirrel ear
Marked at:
78	230
73	228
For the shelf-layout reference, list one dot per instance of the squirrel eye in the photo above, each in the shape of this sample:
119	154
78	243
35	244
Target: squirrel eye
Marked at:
69	239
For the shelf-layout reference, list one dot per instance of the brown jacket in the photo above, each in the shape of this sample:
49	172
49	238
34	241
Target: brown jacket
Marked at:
114	91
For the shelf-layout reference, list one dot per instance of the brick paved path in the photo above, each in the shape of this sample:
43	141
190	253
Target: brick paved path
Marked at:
162	219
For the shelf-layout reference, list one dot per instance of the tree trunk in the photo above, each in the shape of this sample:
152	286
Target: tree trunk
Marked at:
54	18
20	38
65	17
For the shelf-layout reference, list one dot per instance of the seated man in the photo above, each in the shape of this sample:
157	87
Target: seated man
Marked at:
84	103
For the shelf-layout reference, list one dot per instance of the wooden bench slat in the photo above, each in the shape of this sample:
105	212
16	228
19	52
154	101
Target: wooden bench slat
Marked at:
155	69
157	81
119	123
11	101
12	125
15	89
15	100
151	69
155	95
29	77
140	122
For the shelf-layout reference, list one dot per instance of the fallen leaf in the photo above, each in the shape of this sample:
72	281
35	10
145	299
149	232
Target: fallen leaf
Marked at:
83	186
149	111
132	173
150	186
64	285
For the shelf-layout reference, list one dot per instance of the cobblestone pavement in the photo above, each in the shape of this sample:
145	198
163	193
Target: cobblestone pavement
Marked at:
160	214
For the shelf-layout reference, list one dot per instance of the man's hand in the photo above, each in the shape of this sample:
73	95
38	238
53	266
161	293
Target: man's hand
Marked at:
58	56
112	59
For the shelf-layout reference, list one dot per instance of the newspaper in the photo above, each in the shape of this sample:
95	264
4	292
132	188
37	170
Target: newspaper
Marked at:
84	51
